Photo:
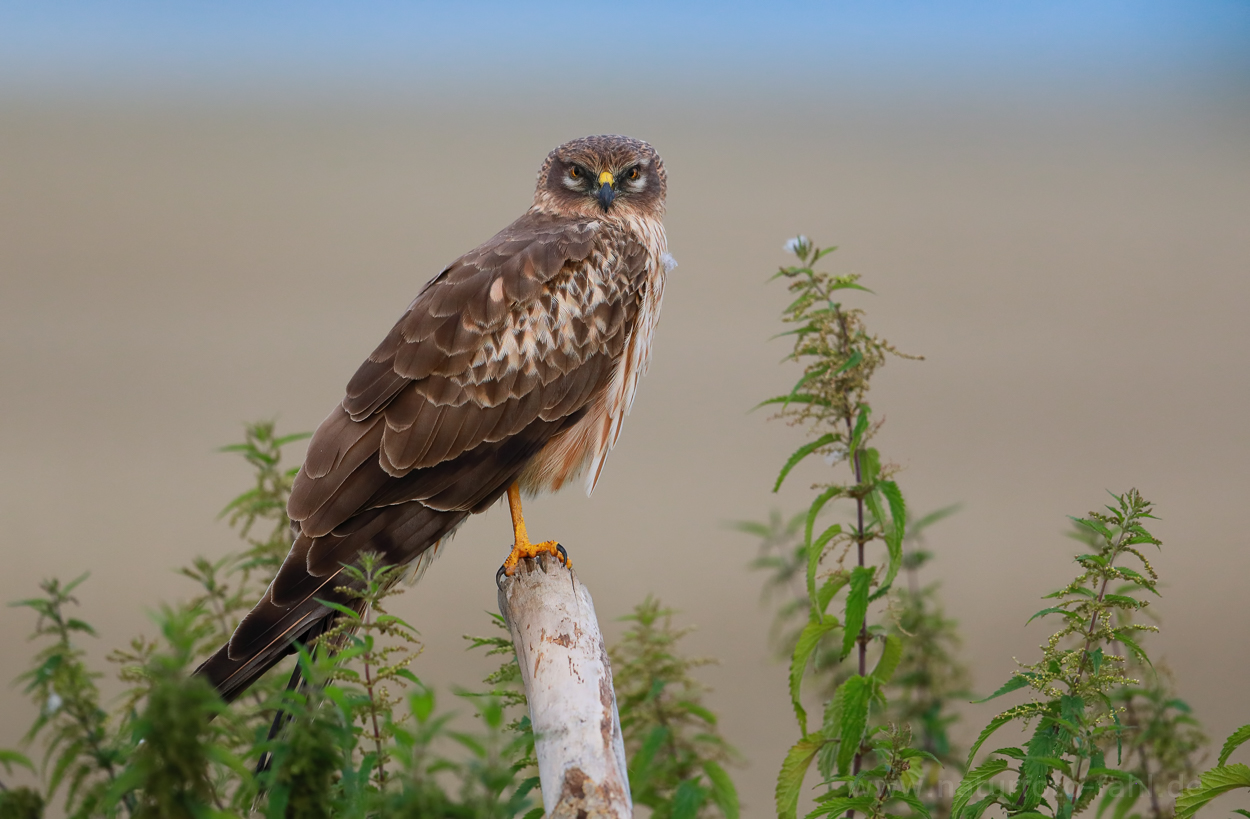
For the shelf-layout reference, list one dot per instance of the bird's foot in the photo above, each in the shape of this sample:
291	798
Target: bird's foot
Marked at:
527	549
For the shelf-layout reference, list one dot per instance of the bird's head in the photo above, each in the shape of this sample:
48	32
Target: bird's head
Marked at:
600	176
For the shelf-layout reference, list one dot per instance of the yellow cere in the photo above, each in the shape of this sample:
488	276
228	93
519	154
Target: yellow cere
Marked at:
606	178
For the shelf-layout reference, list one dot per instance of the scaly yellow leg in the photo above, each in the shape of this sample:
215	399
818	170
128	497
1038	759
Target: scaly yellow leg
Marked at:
521	546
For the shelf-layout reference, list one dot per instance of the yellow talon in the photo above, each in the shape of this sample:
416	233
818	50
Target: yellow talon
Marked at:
521	546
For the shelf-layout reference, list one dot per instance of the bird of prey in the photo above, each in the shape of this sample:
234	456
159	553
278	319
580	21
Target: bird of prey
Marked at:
512	370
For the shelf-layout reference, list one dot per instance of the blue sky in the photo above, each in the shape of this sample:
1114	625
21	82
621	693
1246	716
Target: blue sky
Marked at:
77	43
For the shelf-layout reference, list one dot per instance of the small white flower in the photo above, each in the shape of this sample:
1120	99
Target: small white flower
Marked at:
836	454
53	704
798	245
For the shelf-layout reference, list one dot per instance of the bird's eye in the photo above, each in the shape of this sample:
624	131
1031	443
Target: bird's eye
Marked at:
633	175
575	172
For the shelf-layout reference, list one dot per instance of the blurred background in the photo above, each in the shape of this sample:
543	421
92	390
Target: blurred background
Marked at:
211	212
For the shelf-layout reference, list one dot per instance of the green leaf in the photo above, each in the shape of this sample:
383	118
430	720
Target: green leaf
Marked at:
812	511
688	799
724	794
831	587
1046	611
861	426
793	769
809	638
869	469
640	769
898	528
891	654
996	723
1112	773
801	398
1020	680
1234	741
1093	526
10	758
1214	782
1132	646
340	608
914	801
838	805
856	607
854	719
814	553
973	781
801	453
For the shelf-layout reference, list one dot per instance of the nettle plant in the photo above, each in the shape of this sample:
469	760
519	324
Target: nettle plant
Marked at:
362	736
1082	747
1105	725
863	766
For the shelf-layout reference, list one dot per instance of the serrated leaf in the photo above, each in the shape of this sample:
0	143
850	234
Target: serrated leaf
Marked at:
724	794
861	426
854	720
10	758
898	528
1113	773
340	608
996	723
1050	610
793	769
1020	680
1213	782
688	799
838	805
812	511
891	655
1133	647
856	607
801	453
1234	741
814	553
809	638
831	587
1094	526
973	781
914	802
802	398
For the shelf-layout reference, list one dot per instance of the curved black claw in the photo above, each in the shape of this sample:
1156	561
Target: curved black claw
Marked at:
499	574
564	555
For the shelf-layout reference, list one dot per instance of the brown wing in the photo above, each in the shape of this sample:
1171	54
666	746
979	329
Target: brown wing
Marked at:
504	349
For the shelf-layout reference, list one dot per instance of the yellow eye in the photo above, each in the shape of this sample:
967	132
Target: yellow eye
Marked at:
634	175
575	172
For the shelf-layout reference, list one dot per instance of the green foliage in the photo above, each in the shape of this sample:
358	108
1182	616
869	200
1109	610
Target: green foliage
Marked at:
81	750
676	754
354	742
839	357
21	803
1082	689
1218	780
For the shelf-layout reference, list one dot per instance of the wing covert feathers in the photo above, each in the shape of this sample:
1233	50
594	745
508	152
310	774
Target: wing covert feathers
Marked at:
520	347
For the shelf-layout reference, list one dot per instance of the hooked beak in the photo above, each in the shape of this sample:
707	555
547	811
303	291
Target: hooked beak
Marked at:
606	194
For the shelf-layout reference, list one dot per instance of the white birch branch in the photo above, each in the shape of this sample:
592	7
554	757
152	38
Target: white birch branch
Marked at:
568	682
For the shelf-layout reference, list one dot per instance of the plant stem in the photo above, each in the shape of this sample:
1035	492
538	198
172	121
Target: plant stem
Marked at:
373	708
1089	640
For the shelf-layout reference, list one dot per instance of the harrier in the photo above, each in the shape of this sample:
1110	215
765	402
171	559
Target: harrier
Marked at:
511	371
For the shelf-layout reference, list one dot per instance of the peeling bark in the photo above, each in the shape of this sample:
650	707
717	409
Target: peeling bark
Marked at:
568	681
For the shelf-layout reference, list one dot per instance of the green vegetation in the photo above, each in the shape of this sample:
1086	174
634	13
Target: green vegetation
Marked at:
364	736
874	667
